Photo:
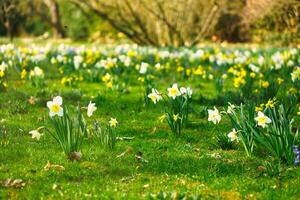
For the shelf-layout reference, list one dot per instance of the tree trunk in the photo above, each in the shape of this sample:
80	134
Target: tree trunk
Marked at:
55	18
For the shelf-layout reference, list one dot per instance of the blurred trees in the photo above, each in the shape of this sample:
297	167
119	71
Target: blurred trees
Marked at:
51	16
8	15
155	22
158	22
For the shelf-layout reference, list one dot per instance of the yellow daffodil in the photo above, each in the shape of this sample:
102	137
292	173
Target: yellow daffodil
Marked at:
113	122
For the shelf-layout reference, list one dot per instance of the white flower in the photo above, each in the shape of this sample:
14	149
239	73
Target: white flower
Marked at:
262	119
295	74
230	109
233	135
143	68
77	61
187	92
173	91
55	107
214	115
254	68
155	96
35	134
38	72
91	108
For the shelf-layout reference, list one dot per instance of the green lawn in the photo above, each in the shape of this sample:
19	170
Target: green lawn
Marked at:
191	165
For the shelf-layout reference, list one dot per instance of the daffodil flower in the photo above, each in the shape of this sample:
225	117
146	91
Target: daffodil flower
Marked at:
113	122
173	92
233	135
262	119
91	108
36	134
214	115
55	107
155	96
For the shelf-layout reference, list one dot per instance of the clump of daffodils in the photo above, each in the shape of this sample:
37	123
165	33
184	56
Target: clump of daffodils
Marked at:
67	130
37	76
176	101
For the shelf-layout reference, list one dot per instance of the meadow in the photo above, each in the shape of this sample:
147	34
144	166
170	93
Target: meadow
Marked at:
133	122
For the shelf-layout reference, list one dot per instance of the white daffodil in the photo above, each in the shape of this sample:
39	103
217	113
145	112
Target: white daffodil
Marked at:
230	108
262	119
186	92
154	96
214	115
113	122
143	68
174	91
35	134
91	108
233	135
38	72
55	106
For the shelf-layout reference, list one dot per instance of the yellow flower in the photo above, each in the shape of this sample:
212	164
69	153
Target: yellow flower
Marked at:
106	77
271	103
224	76
257	108
109	84
141	79
279	81
162	118
265	84
23	74
188	72
113	122
252	75
1	73
180	69
176	117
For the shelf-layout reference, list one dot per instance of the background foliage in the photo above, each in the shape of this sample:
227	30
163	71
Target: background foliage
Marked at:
154	22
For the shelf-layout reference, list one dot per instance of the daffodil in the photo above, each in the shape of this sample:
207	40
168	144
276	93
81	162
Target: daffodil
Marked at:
186	92
176	117
91	108
106	78
271	103
233	135
35	134
214	115
155	96
173	92
162	118
55	106
262	119
113	122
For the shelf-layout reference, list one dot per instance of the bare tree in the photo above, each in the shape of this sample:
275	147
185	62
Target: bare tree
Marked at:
157	22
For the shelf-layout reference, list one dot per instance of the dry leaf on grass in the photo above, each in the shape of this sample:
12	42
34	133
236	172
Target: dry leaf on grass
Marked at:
49	166
13	183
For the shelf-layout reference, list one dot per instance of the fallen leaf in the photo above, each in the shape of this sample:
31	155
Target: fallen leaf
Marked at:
49	166
14	183
128	151
32	100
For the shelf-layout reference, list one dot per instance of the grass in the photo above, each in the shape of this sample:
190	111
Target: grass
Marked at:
177	166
